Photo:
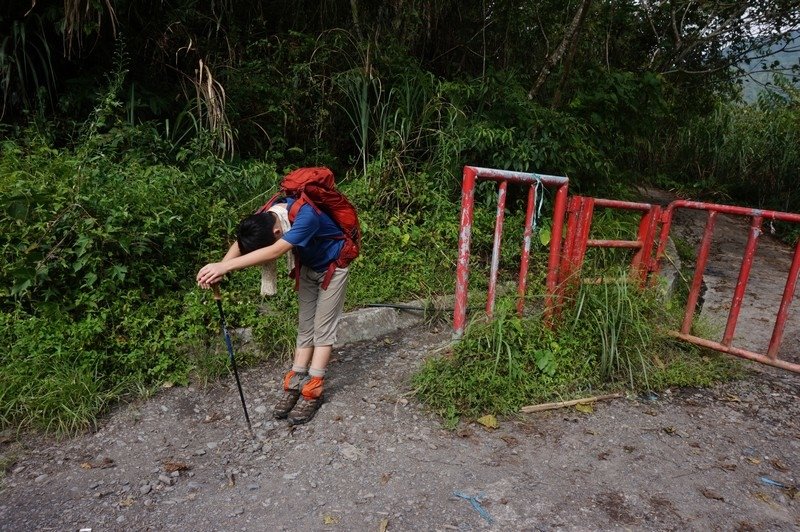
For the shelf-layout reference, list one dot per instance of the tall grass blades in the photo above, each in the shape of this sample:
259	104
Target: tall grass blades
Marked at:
394	119
26	66
616	314
751	152
612	337
81	15
355	86
210	97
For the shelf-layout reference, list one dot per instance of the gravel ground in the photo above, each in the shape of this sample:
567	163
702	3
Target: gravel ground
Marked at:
373	459
686	460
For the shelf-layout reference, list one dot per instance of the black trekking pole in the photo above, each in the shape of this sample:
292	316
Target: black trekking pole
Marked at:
229	345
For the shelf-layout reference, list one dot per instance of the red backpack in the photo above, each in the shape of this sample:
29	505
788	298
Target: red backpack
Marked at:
316	187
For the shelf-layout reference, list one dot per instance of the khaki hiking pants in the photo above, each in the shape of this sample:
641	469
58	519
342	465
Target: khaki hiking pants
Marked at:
320	309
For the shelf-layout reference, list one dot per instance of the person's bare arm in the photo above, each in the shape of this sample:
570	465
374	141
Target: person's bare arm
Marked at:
213	273
233	252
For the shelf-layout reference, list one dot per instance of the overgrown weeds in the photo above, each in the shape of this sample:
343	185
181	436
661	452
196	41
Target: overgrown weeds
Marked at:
106	219
612	336
99	249
620	318
748	152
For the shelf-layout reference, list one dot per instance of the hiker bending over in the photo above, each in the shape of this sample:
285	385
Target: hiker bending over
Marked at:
321	252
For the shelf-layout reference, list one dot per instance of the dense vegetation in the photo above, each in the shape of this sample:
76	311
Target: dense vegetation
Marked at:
609	340
135	134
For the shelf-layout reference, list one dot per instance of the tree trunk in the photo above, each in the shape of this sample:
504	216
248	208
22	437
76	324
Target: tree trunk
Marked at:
356	23
570	35
573	47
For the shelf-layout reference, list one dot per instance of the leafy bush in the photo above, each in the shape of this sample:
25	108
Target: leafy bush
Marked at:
99	251
411	248
98	260
74	229
497	126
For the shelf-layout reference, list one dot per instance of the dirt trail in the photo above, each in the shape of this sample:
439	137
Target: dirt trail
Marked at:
374	459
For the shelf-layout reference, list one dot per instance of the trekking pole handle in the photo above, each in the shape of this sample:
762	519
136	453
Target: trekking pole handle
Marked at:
215	288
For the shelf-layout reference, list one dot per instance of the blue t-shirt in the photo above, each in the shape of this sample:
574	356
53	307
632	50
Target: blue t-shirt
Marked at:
314	235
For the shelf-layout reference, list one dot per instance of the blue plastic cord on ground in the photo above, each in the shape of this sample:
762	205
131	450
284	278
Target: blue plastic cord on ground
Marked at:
475	504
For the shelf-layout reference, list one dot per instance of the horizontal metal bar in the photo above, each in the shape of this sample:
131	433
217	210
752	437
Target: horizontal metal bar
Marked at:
627	205
731	209
516	177
630	244
743	353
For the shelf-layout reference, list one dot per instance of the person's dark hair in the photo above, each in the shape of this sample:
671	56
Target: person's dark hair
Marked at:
255	232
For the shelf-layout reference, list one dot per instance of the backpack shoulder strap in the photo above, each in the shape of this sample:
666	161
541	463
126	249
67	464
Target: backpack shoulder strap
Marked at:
303	199
270	203
294	209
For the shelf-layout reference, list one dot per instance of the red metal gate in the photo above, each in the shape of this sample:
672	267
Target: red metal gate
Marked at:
579	223
564	262
471	175
757	218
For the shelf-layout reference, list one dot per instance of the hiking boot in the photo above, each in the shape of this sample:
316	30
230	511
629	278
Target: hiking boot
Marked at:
286	404
292	384
304	411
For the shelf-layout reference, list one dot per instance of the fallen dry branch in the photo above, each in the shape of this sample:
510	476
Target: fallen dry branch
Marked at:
562	404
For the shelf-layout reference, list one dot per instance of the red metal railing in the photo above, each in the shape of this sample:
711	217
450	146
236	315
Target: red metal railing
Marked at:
757	218
579	223
564	262
471	175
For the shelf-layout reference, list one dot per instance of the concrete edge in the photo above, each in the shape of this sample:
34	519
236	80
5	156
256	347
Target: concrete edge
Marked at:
358	325
670	269
371	322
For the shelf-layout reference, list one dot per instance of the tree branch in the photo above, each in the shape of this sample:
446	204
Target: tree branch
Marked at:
571	33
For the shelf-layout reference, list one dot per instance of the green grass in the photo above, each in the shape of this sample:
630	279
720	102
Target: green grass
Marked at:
686	251
99	303
611	337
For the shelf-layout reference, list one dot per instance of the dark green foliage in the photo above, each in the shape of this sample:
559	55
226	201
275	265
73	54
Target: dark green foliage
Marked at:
99	249
750	153
72	226
623	110
499	127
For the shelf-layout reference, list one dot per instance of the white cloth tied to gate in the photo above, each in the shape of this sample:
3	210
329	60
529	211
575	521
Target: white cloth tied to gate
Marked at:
269	271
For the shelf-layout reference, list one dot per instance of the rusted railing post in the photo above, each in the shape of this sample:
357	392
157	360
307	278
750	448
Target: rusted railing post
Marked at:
641	265
757	217
559	211
498	236
470	177
464	237
700	268
741	283
522	284
786	302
